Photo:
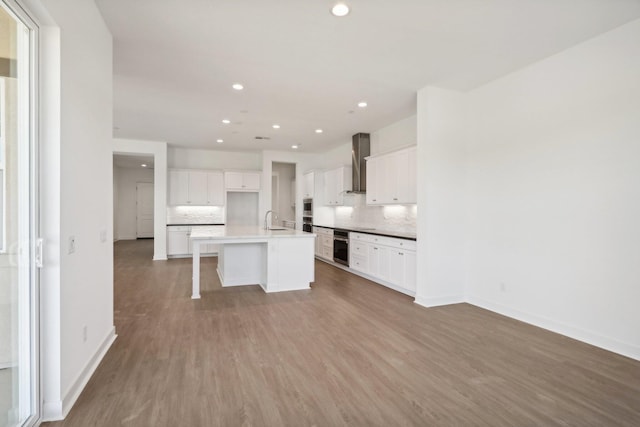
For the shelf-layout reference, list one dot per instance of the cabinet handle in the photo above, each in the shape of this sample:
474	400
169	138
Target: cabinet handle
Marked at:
375	249
374	200
395	198
400	253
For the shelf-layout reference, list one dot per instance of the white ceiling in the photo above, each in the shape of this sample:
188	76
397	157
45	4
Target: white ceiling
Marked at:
302	68
132	161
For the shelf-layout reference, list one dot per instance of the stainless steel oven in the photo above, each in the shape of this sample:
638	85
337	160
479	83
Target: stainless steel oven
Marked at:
341	246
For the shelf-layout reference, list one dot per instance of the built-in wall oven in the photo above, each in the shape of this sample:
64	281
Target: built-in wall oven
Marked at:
307	215
341	246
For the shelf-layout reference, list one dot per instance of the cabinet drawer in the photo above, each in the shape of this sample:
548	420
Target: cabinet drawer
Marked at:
409	245
359	263
359	248
326	240
172	228
327	253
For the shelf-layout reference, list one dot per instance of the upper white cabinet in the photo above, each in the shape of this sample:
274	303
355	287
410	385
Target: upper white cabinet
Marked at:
391	178
336	183
242	181
309	185
196	188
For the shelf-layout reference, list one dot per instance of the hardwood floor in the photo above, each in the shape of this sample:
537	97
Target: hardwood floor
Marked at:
346	352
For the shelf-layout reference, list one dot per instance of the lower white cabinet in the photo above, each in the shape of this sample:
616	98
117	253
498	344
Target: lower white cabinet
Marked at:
324	242
179	244
390	261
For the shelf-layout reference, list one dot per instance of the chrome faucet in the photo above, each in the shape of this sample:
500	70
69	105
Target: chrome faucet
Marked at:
266	224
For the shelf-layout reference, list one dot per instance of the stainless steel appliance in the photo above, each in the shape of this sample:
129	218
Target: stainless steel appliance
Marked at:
307	215
341	246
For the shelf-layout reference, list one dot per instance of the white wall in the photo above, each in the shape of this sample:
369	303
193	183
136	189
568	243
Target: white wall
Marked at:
125	198
185	158
548	177
159	152
76	175
554	192
441	197
395	136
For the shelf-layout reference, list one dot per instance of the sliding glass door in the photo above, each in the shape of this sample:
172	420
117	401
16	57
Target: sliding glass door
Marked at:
19	398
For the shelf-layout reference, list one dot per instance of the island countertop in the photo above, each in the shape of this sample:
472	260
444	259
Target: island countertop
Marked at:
244	232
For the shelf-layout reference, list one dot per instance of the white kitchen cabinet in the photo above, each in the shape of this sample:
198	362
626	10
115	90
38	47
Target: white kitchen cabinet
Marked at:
178	187
391	178
195	188
388	261
215	188
242	181
336	183
309	185
324	242
179	243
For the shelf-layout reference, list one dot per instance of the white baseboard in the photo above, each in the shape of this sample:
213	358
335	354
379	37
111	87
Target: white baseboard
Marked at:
52	411
127	237
159	258
438	301
78	385
7	365
625	349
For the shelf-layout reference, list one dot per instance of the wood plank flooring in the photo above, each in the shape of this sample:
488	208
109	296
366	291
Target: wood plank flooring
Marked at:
347	352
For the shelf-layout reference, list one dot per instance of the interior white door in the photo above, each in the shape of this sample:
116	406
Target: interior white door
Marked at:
144	216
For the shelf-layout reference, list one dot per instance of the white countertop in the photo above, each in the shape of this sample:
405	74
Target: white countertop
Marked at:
243	232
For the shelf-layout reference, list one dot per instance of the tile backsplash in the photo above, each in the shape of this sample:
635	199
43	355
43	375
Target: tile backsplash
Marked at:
356	213
195	214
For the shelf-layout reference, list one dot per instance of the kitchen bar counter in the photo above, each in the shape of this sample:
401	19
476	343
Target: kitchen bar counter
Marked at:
277	260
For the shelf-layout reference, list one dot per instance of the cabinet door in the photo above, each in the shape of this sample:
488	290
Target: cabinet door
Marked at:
309	185
396	267
215	189
330	183
178	243
374	260
178	187
197	188
251	181
233	180
372	181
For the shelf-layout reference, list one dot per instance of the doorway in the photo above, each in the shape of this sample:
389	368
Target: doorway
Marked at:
133	196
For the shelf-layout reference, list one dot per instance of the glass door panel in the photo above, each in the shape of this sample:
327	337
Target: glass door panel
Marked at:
18	274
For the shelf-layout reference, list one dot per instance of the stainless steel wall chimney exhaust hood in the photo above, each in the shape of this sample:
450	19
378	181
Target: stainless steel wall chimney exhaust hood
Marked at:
361	148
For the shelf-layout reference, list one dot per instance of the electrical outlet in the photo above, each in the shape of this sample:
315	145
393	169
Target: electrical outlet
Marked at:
84	333
72	244
103	235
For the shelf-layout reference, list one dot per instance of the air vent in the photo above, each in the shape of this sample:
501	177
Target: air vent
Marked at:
263	137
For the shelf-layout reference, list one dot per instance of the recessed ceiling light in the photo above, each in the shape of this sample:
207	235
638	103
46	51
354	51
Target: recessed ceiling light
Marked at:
318	130
219	141
143	165
276	126
237	86
340	9
294	146
362	104
226	121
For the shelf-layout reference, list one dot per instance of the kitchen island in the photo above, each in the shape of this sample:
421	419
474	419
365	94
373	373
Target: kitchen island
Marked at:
277	260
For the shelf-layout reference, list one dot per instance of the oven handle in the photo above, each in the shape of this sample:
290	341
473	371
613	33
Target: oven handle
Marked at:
341	239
